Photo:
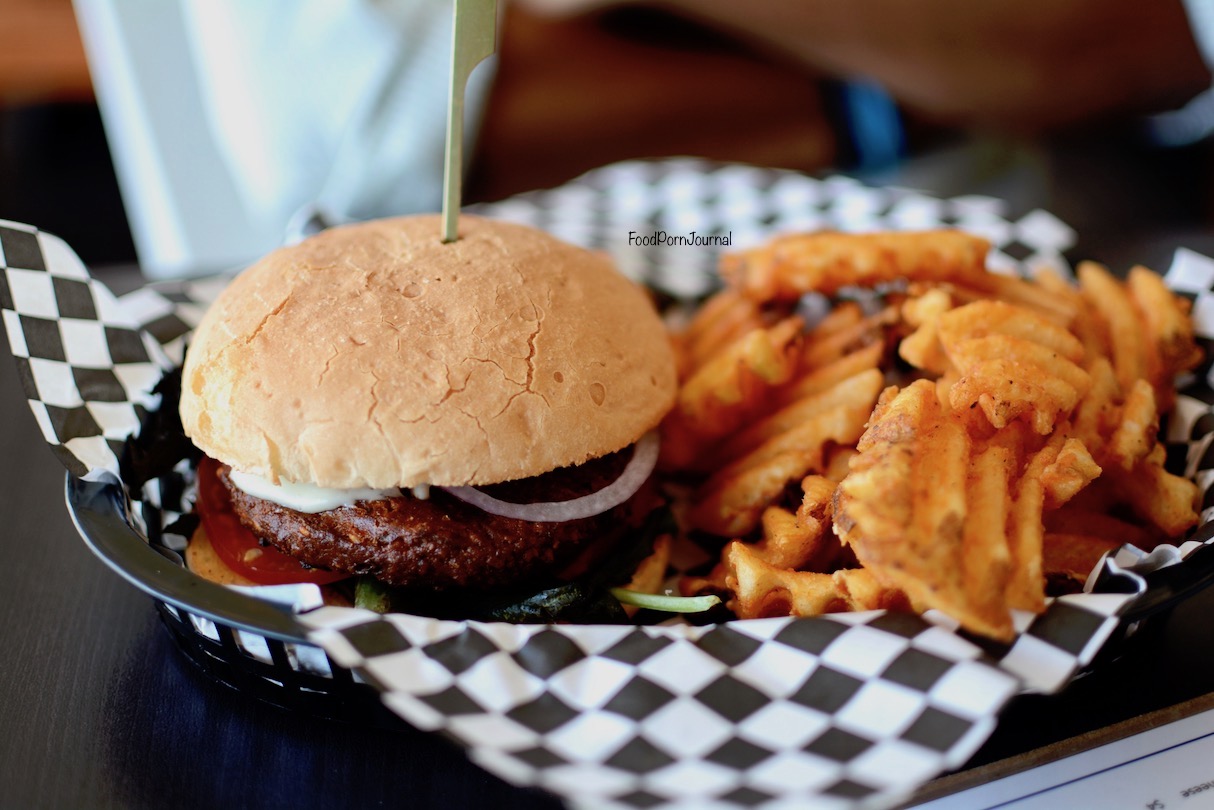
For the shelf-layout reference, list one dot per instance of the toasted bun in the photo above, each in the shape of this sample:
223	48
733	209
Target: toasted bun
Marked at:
374	355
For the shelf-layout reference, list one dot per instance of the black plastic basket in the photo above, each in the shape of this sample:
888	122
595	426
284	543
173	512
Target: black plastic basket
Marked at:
250	645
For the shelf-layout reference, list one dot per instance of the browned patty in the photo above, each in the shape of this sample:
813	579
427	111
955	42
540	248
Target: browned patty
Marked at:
442	543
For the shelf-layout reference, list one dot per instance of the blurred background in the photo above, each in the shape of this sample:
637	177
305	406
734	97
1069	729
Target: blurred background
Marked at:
184	135
55	166
224	119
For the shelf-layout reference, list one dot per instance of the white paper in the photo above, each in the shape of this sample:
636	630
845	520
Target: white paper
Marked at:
1168	767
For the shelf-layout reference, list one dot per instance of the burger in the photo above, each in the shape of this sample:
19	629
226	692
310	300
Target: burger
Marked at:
460	426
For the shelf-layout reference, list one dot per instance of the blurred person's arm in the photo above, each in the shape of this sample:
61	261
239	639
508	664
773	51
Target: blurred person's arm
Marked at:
1018	64
575	92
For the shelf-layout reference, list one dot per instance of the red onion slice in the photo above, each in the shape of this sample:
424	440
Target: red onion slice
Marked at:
644	459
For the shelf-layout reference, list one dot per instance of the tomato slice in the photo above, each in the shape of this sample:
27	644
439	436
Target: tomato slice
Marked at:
238	547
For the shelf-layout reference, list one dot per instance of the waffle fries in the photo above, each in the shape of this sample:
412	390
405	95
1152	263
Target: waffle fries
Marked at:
967	441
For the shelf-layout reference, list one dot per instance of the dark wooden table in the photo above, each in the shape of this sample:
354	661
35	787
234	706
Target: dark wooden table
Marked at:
98	709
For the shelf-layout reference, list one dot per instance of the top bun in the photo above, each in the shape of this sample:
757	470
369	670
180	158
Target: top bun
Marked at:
375	355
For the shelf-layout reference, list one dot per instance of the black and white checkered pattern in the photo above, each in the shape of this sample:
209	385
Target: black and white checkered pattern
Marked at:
602	208
86	367
856	709
847	711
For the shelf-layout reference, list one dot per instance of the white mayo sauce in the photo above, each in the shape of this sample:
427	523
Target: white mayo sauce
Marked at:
311	498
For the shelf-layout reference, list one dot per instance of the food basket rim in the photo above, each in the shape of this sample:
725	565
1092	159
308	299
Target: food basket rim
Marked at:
100	513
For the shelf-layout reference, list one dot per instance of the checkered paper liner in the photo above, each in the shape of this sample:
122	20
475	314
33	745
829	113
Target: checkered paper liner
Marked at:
849	711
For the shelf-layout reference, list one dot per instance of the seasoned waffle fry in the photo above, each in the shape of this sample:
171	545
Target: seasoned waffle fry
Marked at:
732	499
760	356
1012	290
1168	329
1114	311
1095	417
985	558
838	462
849	393
830	374
982	318
795	542
726	388
805	539
1026	529
1011	362
922	348
824	347
1035	358
817	495
790	266
1166	501
1070	471
844	315
762	590
723	319
1135	434
904	506
1021	445
1004	393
